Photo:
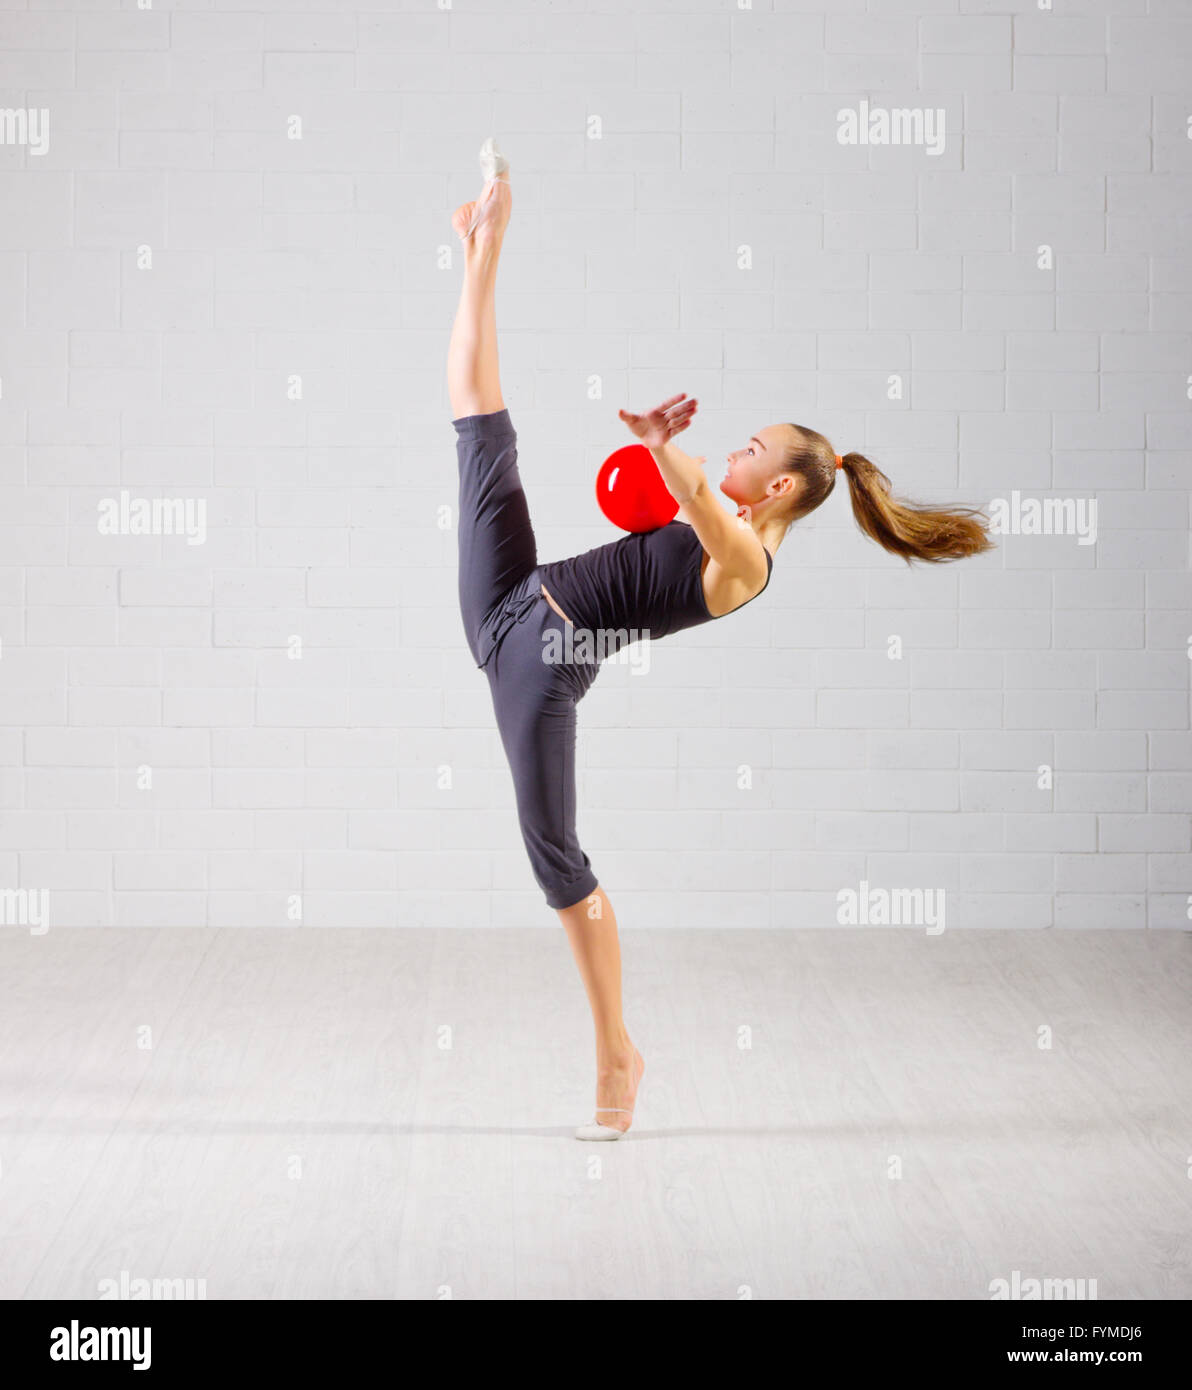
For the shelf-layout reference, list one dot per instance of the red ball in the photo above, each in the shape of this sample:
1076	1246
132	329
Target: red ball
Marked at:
631	493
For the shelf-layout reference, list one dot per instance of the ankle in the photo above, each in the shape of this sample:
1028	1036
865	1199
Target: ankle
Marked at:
483	248
615	1059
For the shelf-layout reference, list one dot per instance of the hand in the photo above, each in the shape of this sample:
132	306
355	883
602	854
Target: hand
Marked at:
660	424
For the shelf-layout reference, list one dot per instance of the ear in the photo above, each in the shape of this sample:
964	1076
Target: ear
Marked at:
783	485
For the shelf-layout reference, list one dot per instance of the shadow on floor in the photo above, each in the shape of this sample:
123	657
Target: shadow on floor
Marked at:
945	1128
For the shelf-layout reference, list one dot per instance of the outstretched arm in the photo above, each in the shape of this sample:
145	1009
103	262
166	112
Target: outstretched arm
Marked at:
732	546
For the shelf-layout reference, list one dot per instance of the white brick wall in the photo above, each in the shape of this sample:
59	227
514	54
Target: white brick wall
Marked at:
166	762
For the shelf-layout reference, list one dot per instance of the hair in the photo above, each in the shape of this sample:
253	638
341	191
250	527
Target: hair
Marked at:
909	529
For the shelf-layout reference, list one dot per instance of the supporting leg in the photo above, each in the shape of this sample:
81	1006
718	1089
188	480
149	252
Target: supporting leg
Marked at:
591	928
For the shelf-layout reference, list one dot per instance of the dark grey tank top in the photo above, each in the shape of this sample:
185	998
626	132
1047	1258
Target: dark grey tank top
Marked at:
649	580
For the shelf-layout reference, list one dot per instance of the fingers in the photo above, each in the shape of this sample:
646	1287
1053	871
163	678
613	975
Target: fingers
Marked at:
672	416
672	404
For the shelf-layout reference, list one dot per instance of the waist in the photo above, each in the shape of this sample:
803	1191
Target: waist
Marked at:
546	594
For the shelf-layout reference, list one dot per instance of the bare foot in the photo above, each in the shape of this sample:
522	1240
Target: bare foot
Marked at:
616	1090
488	216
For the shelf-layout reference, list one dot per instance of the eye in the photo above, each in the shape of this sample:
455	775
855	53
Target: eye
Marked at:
749	450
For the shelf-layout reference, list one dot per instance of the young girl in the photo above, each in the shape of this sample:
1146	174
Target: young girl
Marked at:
702	566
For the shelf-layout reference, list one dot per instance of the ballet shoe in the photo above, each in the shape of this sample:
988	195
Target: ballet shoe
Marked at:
597	1131
495	168
493	164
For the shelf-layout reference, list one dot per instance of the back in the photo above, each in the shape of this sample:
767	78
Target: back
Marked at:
650	581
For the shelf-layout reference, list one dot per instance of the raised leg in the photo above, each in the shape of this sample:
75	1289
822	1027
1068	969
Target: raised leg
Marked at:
473	375
496	537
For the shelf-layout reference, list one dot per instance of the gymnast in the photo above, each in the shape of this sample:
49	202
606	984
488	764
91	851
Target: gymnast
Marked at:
702	566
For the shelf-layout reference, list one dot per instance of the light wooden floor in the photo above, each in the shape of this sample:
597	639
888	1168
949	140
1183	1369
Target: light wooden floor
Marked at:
764	1169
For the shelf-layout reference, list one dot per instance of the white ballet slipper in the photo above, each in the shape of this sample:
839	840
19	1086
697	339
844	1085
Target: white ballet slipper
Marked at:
495	168
599	1132
493	164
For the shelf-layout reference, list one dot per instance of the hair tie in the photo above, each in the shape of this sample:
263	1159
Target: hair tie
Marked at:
839	461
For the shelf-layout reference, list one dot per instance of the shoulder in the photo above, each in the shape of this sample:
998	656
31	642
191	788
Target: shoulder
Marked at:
731	543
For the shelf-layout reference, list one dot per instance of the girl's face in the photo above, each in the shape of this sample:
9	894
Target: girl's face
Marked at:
755	471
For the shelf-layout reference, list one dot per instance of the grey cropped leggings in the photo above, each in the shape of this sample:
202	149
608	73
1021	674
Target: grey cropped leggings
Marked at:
506	620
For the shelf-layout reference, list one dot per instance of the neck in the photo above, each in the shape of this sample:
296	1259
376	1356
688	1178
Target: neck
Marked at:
769	529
